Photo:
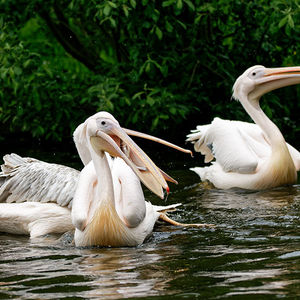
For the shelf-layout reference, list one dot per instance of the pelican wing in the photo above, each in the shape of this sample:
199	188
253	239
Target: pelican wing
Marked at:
236	146
29	179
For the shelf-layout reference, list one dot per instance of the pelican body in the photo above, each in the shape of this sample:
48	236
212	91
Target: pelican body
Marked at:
247	155
104	202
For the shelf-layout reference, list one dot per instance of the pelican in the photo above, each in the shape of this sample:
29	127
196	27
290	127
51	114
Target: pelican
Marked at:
104	202
249	156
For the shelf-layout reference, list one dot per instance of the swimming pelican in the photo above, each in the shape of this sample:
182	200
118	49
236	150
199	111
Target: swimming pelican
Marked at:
249	156
104	202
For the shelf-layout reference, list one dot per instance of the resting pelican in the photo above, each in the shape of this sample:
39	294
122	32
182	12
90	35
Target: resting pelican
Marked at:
249	156
105	202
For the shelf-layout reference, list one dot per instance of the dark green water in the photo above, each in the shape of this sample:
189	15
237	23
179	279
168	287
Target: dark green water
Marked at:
254	252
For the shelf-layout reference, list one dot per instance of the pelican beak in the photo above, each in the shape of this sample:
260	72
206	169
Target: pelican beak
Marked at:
157	140
275	78
117	143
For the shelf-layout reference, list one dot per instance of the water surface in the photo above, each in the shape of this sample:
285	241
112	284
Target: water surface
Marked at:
253	251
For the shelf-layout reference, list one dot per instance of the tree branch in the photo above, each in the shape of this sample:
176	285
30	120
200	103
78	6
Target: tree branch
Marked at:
68	39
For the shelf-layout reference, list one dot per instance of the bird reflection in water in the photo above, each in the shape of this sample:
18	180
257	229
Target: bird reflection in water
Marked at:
128	272
237	198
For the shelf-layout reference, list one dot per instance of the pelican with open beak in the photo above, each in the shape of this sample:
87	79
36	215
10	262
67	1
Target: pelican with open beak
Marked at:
104	202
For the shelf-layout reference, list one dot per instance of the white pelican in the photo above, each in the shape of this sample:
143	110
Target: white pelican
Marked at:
247	155
105	202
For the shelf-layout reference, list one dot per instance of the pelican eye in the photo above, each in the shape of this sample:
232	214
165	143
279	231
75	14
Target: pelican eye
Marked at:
256	73
103	123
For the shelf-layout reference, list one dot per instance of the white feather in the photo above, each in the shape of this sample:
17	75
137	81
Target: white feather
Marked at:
238	148
32	180
106	197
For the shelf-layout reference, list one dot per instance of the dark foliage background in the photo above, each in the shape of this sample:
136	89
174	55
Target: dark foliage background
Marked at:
161	67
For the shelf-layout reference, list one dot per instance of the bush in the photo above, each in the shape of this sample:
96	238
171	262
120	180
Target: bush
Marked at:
158	66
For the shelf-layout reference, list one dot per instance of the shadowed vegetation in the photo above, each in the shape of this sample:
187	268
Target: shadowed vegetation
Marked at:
160	66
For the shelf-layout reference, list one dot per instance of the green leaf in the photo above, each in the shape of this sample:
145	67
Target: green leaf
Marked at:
169	27
283	22
94	89
148	67
126	12
47	69
11	72
181	24
190	4
26	63
133	3
150	101
112	4
109	105
39	130
30	28
137	95
113	22
155	122
18	71
228	42
164	117
291	21
179	4
155	15
168	3
106	10
158	33
3	73
173	110
135	117
15	86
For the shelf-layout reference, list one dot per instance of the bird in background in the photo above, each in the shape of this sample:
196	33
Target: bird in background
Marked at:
104	202
247	155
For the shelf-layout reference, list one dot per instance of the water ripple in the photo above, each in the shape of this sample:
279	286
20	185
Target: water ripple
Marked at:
254	250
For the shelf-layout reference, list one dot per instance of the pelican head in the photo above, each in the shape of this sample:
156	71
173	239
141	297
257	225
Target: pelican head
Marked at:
102	133
259	80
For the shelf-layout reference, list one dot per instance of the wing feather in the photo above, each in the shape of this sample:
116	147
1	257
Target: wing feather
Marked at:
197	137
229	143
27	179
237	146
230	148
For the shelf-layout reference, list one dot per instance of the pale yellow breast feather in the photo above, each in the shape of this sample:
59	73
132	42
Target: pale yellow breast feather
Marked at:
107	229
280	169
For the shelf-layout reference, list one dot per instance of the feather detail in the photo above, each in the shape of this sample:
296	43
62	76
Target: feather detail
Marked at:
28	179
